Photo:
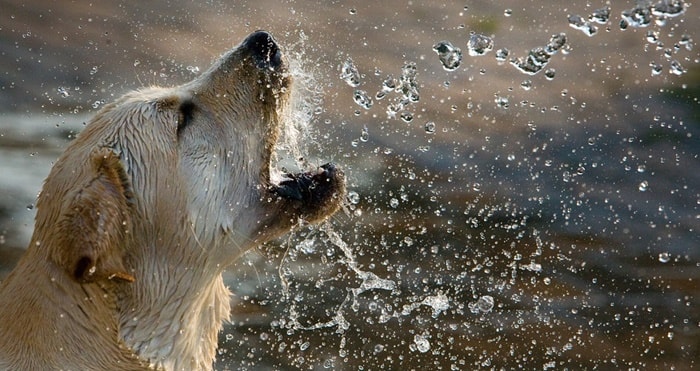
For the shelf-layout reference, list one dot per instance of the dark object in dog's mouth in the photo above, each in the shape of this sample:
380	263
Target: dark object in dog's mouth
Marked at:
313	191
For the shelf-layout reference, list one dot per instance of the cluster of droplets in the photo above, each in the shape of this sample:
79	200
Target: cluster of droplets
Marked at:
675	67
538	57
644	12
408	92
406	87
587	26
351	75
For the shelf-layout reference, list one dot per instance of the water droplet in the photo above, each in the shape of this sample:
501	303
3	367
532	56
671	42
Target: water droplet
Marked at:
394	203
686	41
601	16
353	11
421	343
349	73
556	42
406	116
656	68
526	85
508	12
652	36
479	44
537	58
639	16
430	127
449	55
97	103
664	257
362	99
353	197
93	70
676	68
502	102
389	84
476	187
485	303
378	348
502	55
643	186
566	176
533	63
364	135
550	73
577	22
63	92
668	8
193	69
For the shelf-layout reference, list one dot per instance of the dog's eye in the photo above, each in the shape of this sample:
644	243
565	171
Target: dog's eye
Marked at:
187	109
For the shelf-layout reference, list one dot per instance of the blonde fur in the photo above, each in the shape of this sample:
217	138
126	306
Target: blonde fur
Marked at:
163	190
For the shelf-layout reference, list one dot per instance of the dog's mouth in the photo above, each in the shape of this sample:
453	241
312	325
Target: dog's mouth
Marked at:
311	195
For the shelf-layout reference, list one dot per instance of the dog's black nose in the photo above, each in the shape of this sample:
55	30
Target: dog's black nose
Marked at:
264	49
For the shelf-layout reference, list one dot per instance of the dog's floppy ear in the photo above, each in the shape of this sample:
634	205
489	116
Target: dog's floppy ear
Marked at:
93	230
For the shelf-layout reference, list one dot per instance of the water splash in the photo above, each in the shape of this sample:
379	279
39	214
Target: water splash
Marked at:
439	303
370	282
305	99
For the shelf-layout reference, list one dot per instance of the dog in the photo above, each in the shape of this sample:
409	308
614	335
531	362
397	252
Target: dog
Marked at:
162	190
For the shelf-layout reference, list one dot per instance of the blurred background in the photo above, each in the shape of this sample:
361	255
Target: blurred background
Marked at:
534	205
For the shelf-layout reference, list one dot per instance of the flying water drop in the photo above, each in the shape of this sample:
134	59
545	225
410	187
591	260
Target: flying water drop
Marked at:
349	73
479	44
449	55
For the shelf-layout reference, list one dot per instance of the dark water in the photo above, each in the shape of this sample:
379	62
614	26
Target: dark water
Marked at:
499	220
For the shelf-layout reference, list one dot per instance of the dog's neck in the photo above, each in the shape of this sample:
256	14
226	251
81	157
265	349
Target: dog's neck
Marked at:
173	321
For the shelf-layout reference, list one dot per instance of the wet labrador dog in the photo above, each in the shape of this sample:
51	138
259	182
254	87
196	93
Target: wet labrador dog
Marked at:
163	190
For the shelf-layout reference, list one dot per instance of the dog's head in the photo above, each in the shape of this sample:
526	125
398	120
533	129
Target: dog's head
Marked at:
184	168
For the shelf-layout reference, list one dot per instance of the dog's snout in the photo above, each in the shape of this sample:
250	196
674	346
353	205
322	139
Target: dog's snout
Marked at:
264	49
